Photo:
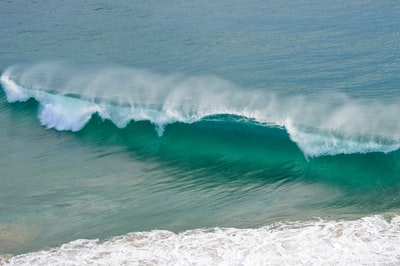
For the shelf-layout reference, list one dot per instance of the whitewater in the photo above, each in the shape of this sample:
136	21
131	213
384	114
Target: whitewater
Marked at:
368	241
69	96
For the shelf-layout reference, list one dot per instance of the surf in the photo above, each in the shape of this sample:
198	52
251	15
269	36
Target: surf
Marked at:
69	96
372	239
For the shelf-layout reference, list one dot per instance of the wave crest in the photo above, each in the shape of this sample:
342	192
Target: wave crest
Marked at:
327	125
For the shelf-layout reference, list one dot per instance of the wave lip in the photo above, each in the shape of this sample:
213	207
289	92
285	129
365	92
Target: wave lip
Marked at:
56	111
118	94
370	240
68	98
314	142
14	92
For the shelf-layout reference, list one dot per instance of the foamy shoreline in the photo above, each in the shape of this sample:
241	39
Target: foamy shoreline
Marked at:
370	240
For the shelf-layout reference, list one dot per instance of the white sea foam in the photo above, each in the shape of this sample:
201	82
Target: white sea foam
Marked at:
315	143
13	91
70	95
368	241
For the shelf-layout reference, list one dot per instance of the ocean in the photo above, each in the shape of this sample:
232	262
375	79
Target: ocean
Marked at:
200	132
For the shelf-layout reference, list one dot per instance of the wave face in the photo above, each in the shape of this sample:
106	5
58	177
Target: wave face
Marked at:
328	124
370	240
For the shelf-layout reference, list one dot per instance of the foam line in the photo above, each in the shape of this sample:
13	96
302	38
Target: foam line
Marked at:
370	240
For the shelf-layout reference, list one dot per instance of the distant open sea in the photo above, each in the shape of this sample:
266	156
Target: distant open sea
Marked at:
199	132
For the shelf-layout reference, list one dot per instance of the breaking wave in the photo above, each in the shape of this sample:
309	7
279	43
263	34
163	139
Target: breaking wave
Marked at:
69	96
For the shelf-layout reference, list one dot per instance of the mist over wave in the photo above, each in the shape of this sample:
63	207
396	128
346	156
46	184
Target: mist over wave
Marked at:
326	124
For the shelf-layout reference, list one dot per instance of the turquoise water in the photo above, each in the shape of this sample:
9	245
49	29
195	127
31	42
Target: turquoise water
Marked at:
248	133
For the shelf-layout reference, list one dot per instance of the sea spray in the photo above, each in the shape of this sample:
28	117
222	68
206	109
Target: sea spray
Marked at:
70	95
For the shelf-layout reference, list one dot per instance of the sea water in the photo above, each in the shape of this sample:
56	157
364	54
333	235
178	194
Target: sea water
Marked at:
201	132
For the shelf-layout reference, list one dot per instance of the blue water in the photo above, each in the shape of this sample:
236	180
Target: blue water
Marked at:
273	119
